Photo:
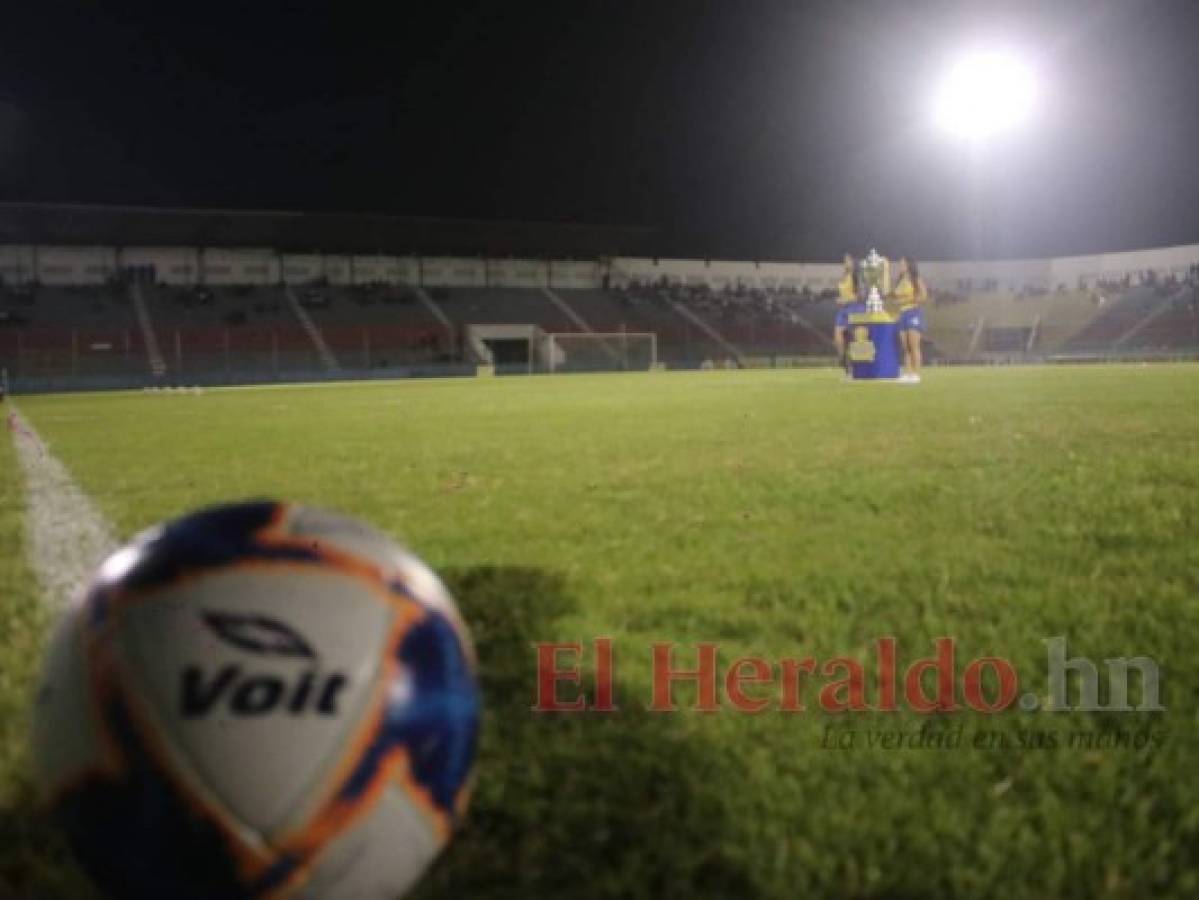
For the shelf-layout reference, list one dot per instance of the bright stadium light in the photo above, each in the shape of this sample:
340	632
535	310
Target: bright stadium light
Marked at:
985	94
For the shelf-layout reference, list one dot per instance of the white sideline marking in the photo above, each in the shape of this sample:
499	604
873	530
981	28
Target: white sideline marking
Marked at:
67	535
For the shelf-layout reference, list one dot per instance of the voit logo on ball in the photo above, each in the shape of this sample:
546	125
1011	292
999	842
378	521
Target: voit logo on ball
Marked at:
249	689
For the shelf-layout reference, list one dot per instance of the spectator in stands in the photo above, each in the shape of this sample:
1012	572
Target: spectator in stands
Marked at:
911	294
848	301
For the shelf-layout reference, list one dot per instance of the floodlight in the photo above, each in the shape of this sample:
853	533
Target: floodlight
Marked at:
985	94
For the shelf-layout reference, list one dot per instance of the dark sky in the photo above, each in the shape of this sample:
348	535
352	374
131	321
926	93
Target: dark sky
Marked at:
742	129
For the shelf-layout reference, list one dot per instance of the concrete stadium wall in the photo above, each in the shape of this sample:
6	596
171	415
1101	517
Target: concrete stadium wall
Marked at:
1162	260
723	274
530	273
74	265
172	265
20	264
249	266
382	269
302	268
575	274
449	271
1071	271
1003	275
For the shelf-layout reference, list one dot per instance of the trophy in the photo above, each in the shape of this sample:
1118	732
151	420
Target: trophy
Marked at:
875	275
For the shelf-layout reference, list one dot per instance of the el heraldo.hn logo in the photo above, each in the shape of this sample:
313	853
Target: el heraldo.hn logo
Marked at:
242	690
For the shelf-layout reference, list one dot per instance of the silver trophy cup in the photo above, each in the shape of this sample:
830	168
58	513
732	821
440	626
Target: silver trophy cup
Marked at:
874	269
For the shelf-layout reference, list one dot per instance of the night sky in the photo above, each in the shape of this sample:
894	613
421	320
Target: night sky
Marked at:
741	129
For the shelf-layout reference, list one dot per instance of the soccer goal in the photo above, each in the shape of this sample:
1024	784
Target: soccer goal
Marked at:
613	351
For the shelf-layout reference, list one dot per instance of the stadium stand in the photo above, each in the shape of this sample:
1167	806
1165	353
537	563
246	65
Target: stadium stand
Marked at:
502	306
246	333
684	341
1117	319
783	323
80	331
1175	326
377	326
1062	314
681	343
238	332
106	298
1006	325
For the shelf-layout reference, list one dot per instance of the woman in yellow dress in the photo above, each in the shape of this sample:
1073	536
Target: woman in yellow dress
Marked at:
847	297
910	294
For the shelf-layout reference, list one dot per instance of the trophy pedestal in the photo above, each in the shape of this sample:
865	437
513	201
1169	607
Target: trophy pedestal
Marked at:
873	346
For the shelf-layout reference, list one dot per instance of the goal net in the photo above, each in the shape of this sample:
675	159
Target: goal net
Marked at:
616	351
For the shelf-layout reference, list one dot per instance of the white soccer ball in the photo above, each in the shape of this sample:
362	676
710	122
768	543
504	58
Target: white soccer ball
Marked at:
258	700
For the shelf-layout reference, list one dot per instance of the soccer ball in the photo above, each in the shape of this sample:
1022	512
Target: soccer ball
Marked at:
258	700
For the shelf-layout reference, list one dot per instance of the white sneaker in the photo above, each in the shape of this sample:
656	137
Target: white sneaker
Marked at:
909	378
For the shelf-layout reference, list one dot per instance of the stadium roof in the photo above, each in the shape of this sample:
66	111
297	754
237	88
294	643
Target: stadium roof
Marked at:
127	226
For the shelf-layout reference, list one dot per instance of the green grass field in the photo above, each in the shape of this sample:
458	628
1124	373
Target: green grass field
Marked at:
779	514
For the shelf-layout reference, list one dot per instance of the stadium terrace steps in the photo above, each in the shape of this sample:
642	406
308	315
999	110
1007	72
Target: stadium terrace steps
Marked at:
1141	325
821	337
609	311
608	351
753	326
708	330
69	331
1119	319
1172	327
976	324
146	333
786	324
567	310
502	306
1168	306
1006	339
245	331
328	360
158	366
681	344
976	335
1061	316
431	305
105	307
378	326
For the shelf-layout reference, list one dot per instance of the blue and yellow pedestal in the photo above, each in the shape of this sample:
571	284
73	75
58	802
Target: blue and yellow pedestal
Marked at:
873	346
